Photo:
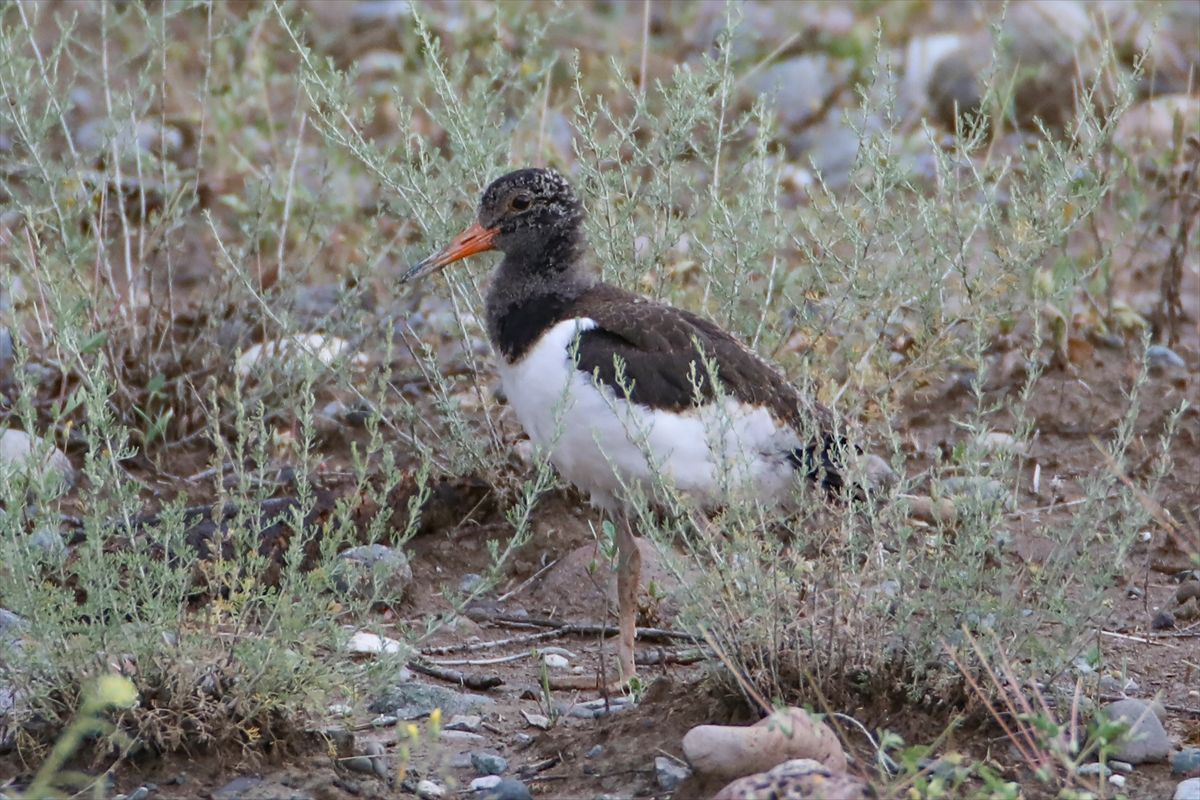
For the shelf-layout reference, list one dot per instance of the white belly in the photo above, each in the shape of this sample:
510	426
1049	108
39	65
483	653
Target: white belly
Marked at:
604	444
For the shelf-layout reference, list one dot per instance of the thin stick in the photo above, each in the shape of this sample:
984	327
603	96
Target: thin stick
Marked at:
523	584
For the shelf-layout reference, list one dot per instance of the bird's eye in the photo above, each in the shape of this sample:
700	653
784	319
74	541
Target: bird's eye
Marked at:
521	202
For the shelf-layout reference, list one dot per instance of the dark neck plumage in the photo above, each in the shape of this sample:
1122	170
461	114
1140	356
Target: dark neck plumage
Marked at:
534	288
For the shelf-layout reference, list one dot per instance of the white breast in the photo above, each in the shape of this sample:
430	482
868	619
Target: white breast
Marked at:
602	443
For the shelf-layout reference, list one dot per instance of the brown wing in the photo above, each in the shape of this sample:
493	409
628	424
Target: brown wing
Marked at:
667	358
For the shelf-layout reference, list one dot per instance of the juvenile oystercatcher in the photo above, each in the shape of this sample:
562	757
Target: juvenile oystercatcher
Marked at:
624	393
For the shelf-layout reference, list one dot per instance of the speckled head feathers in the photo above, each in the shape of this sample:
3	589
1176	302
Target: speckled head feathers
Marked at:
529	198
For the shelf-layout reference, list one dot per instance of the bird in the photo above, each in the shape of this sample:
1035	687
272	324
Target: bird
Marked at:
798	779
624	393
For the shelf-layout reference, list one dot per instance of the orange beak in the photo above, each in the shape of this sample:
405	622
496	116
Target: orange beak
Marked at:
475	239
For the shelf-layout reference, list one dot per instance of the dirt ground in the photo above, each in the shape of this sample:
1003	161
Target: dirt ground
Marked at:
614	755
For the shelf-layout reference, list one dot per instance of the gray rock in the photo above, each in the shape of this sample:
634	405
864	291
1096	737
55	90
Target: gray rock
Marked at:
430	790
484	783
50	545
1121	766
464	722
1188	790
412	700
1164	359
800	87
373	572
1093	770
368	13
1146	740
18	448
11	625
506	789
470	582
6	351
669	773
595	752
1186	761
980	489
236	787
485	763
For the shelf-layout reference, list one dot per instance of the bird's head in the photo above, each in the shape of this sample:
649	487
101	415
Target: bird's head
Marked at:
530	211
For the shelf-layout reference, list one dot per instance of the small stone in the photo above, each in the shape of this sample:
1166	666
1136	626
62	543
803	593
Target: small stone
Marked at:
470	582
486	782
555	661
506	789
596	751
1113	685
1093	770
488	763
985	490
1117	780
236	788
1188	790
428	790
464	722
669	773
1164	359
18	447
540	721
1121	766
1186	761
140	793
6	350
361	764
365	643
1145	740
1002	443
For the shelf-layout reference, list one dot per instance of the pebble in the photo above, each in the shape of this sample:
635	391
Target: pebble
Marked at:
236	788
18	447
799	86
555	661
1146	740
669	773
1093	770
983	489
506	789
373	572
287	352
1188	790
464	722
1161	358
596	751
540	721
1117	780
366	643
486	782
6	350
1113	685
1121	766
1002	443
470	582
485	763
1186	761
428	790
